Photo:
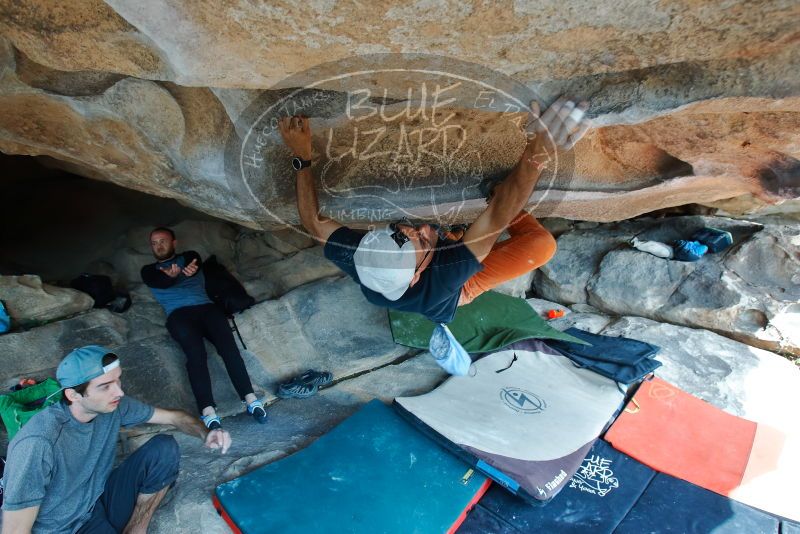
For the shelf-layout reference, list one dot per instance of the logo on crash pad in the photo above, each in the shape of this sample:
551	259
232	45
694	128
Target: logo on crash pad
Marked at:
595	476
522	401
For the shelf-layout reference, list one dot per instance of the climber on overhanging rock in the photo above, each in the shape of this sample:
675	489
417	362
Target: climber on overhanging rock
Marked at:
409	266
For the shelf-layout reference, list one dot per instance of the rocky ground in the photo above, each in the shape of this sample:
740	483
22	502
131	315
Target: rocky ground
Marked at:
714	320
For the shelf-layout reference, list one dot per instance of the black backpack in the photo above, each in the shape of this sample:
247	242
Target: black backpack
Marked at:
100	288
224	289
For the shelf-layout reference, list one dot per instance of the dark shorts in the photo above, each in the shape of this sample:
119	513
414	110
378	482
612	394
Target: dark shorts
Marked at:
150	469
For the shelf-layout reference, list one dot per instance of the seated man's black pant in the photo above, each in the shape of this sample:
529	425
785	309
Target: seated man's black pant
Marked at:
153	467
188	326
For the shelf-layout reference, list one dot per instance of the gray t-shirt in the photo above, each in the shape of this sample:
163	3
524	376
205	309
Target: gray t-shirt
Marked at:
61	465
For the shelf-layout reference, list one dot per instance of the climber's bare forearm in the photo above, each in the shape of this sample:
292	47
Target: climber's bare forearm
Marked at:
509	197
296	134
513	193
319	227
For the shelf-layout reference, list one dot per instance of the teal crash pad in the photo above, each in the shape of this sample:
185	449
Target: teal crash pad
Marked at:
372	473
490	322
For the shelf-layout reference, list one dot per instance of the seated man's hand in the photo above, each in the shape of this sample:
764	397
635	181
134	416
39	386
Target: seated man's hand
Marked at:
564	121
296	134
218	439
172	271
190	269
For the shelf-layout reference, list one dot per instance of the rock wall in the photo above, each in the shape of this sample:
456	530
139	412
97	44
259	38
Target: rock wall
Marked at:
748	292
692	102
29	302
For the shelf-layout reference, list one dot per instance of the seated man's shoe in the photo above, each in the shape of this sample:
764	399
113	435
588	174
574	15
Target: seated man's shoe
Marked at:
256	409
212	422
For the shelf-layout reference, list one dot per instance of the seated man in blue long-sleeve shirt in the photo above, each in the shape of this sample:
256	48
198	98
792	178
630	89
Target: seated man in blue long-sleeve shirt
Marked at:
178	284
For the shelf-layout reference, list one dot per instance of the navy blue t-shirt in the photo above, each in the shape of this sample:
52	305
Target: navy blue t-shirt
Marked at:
178	292
436	293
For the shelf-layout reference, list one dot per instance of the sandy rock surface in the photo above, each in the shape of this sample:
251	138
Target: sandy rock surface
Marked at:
690	102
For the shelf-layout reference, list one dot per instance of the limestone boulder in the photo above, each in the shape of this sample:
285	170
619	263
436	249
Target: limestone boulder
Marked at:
289	240
748	292
30	302
326	324
576	42
128	263
565	276
747	206
273	279
689	105
35	353
634	282
145	318
252	248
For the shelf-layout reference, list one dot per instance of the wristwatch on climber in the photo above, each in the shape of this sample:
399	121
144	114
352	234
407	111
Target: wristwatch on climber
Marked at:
299	163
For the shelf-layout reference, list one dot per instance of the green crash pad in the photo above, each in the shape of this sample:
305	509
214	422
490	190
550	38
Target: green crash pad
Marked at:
373	473
490	322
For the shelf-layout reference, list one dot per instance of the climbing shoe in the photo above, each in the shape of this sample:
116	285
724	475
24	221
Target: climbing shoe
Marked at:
256	409
212	422
316	378
297	389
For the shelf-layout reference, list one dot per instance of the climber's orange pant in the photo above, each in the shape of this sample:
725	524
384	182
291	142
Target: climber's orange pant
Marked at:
529	247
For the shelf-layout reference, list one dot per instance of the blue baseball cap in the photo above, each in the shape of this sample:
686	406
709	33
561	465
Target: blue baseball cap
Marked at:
82	365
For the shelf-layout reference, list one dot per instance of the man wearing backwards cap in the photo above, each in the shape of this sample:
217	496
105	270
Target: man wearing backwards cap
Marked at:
59	476
410	267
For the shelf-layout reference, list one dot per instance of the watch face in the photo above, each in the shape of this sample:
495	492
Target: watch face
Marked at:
297	163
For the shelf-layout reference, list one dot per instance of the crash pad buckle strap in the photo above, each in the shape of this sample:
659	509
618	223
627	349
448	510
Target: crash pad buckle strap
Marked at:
636	404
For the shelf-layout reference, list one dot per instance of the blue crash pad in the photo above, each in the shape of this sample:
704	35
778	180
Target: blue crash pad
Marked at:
673	505
374	472
605	487
790	527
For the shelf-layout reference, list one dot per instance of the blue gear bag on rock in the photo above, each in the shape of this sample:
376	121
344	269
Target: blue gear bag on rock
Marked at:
448	352
688	250
5	320
716	240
